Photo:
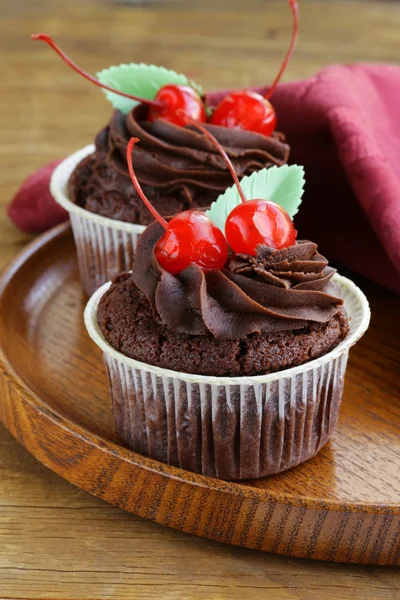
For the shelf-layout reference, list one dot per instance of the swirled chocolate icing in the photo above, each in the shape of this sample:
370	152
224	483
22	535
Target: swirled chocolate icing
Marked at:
178	167
277	290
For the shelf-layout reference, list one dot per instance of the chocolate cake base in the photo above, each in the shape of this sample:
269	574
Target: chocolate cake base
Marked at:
130	325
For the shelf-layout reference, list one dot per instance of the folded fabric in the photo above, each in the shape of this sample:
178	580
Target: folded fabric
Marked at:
344	126
348	139
33	208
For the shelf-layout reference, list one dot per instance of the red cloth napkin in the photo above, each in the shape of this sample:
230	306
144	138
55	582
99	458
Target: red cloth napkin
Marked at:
348	139
344	126
33	208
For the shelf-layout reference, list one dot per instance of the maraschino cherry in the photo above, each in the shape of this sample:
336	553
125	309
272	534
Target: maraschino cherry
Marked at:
254	222
177	104
259	222
190	237
249	110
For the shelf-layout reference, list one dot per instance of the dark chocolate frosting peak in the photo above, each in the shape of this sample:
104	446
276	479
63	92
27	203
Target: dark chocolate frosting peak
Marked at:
286	268
275	291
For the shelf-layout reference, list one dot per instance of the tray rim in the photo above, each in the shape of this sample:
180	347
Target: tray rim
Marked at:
31	398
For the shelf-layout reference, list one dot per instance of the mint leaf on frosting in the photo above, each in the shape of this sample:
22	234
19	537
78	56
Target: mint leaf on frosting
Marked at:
282	185
140	80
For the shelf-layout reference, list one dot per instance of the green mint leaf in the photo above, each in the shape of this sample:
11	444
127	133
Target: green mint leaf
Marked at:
140	80
282	185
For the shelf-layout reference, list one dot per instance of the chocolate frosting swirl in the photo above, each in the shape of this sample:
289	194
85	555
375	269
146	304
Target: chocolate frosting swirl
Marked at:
178	167
275	291
170	155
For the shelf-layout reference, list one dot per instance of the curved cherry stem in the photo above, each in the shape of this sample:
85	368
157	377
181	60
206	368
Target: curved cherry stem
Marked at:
295	10
224	155
136	184
44	37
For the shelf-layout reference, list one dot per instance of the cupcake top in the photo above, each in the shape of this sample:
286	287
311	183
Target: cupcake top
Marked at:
176	158
177	167
236	269
276	290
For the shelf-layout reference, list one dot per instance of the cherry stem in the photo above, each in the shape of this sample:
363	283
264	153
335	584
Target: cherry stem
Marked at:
44	37
224	155
136	184
295	10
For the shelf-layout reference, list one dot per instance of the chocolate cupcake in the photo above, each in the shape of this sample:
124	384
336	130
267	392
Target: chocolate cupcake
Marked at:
231	364
234	374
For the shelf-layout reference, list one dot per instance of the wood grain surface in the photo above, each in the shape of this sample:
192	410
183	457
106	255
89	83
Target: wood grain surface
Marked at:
56	541
343	505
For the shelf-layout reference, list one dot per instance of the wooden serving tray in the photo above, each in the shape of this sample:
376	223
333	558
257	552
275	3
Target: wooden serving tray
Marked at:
343	505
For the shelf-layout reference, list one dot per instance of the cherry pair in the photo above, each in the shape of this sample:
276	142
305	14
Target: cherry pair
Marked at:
181	104
191	237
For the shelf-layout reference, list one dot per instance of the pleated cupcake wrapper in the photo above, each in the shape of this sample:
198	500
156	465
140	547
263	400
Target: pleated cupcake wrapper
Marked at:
230	427
105	247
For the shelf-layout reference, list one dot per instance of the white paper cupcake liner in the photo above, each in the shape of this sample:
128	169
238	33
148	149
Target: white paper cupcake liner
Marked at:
105	247
230	427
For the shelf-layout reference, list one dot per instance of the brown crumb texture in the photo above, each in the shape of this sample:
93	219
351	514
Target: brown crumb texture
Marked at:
130	325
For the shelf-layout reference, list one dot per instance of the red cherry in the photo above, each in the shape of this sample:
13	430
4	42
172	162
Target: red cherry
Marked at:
259	222
248	110
245	109
179	104
190	237
175	103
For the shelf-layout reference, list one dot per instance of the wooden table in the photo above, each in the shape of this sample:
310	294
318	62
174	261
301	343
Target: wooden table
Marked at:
55	540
